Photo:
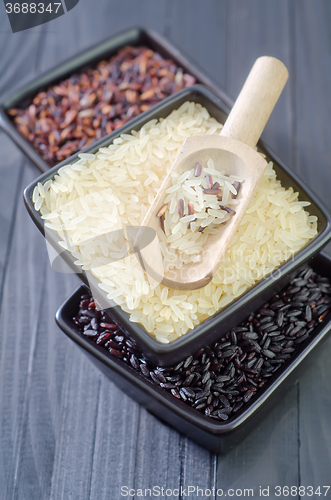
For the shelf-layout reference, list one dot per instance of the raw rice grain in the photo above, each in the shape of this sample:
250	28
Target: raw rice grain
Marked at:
98	190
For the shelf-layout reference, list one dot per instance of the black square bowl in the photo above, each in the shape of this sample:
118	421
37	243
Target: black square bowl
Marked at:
210	329
217	436
89	58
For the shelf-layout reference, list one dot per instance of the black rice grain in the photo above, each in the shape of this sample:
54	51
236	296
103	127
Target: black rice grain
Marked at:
219	380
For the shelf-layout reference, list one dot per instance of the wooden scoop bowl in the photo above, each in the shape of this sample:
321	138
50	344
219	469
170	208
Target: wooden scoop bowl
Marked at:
234	150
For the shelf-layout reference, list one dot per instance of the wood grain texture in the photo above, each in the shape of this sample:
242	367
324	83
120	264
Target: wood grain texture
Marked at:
311	99
87	25
22	288
73	458
19	64
66	432
256	29
256	100
48	371
200	30
157	460
114	454
314	421
10	190
198	467
268	456
312	112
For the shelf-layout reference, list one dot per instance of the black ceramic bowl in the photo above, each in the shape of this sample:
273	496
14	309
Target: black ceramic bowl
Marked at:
87	59
214	435
209	330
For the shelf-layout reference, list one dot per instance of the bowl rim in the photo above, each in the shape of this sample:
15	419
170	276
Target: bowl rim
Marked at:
90	56
246	413
145	338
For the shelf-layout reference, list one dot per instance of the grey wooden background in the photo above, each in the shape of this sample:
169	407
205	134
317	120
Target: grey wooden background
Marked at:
66	432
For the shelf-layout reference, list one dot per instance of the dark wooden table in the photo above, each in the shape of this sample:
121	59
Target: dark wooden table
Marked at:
66	432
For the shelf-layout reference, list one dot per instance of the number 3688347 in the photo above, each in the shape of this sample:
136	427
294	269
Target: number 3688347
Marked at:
32	8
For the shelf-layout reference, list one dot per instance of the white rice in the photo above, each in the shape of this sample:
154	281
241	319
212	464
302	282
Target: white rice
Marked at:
88	203
189	187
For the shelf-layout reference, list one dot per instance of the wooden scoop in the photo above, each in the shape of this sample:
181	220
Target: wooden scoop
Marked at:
232	151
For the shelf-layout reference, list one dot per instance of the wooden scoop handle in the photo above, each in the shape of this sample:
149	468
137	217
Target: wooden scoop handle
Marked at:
256	101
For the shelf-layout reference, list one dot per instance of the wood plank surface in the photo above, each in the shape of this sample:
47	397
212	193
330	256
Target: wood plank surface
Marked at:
264	457
254	30
23	287
311	99
11	189
313	162
268	456
66	432
115	448
202	36
86	26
